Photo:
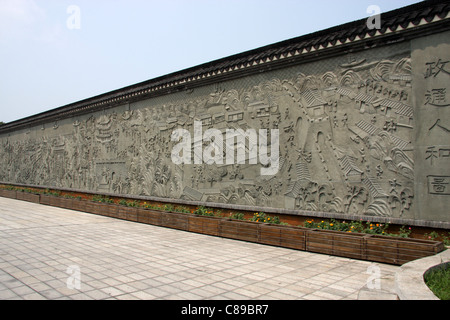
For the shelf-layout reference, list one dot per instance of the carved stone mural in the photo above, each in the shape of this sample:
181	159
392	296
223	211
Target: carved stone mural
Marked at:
347	140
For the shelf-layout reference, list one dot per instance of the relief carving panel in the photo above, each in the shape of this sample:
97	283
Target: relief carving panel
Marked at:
346	143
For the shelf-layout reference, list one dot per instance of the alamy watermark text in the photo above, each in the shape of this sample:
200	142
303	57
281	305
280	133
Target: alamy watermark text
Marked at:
216	152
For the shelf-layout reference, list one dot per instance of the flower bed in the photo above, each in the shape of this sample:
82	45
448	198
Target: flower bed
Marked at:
336	243
400	250
66	203
270	234
93	207
122	212
45	199
353	240
26	196
293	237
56	202
149	216
79	205
132	214
173	220
11	194
106	209
283	236
239	230
209	226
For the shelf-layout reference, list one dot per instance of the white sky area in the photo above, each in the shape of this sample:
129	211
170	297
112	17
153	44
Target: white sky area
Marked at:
52	55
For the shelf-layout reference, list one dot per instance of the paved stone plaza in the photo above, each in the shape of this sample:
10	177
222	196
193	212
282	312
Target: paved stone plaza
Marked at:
42	249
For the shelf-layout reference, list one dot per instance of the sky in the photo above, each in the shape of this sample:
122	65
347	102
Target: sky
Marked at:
56	52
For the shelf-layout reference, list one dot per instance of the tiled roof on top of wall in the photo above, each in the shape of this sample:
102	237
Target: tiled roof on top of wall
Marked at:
394	23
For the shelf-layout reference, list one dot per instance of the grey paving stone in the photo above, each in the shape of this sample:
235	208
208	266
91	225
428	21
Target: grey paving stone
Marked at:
124	260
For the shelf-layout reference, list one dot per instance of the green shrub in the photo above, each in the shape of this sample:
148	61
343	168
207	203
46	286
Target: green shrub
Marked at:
132	204
238	216
102	199
169	207
203	211
351	227
182	210
265	218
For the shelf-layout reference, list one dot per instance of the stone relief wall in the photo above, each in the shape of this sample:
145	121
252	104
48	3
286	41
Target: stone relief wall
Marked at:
347	137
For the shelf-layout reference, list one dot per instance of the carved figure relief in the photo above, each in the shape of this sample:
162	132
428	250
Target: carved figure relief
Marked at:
345	144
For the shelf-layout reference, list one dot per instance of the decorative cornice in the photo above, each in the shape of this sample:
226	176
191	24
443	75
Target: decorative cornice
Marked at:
398	25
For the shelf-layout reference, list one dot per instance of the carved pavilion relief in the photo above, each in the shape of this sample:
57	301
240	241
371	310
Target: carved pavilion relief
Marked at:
345	144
